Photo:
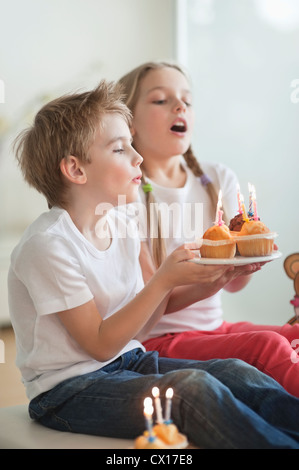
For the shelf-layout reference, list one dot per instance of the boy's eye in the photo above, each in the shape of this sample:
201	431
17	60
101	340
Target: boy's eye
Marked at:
159	101
118	150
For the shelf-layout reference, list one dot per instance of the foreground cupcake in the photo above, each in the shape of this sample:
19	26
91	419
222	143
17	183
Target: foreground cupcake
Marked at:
255	239
165	434
218	243
217	240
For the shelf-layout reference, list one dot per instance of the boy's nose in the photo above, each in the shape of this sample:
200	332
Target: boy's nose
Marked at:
139	159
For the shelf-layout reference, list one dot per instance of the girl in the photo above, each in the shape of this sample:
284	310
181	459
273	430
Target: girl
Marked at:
160	99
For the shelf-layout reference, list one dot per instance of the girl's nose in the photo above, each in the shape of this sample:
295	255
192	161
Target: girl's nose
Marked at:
180	106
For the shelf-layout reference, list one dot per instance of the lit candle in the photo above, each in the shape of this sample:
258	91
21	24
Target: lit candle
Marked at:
169	395
239	199
156	395
255	216
219	212
251	193
148	413
243	208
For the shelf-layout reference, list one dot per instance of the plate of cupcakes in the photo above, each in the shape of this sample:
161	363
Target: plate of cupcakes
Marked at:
246	240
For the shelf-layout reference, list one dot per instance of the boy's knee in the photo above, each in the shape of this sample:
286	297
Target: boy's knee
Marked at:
191	382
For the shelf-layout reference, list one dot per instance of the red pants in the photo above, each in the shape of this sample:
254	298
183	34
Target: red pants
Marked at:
271	349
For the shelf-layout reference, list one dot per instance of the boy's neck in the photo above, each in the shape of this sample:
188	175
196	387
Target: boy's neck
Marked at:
94	228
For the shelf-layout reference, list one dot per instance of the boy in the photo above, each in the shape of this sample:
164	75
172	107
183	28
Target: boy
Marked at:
78	302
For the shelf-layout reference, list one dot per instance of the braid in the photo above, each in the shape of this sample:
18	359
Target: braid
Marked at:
192	162
158	248
196	169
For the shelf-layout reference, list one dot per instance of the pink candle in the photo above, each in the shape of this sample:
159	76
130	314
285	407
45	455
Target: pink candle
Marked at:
255	216
239	199
219	212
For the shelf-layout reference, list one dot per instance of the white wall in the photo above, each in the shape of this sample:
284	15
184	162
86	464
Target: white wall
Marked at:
243	57
49	47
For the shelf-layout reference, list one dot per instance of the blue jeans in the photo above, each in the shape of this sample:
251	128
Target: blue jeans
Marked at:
217	403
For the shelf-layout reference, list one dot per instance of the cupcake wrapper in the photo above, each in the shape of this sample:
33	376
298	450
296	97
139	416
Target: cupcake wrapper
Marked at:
247	245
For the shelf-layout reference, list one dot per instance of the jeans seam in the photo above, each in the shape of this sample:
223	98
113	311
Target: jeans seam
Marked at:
208	425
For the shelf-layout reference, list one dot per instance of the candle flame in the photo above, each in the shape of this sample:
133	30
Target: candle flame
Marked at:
148	406
220	198
252	191
169	393
155	392
147	402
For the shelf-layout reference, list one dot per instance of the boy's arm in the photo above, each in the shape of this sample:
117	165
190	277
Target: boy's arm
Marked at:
104	338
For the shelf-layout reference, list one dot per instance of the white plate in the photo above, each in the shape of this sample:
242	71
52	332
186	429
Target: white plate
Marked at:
238	260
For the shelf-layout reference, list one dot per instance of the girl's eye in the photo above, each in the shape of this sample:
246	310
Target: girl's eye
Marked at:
159	101
118	150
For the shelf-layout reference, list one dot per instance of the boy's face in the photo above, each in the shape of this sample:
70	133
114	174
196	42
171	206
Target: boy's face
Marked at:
114	168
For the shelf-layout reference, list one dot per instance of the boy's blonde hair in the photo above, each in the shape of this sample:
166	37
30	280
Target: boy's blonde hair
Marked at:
131	87
65	126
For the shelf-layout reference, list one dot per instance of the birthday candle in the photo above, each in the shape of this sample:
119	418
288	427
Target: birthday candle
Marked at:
219	212
239	199
251	193
255	216
148	413
156	395
243	208
169	395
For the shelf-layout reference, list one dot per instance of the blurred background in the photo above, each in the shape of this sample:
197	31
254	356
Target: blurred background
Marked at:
243	58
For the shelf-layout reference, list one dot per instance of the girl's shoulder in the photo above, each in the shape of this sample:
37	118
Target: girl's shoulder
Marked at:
218	170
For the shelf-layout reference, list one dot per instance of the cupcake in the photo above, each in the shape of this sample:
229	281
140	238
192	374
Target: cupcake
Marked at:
218	243
257	240
148	442
164	436
236	223
169	433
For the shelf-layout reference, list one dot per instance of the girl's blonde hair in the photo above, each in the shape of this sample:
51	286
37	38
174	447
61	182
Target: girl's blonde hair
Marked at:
65	126
131	88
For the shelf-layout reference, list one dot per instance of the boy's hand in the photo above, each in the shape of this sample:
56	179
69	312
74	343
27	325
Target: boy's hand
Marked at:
176	270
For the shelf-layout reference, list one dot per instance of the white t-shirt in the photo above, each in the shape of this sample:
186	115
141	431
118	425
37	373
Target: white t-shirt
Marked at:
54	268
191	214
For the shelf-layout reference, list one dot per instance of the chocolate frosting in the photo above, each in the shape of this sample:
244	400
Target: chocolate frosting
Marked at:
236	223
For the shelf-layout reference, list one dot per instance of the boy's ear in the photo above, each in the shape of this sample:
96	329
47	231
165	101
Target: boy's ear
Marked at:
132	130
73	170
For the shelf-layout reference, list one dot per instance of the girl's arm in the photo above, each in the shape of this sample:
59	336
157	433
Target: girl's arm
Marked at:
234	279
210	281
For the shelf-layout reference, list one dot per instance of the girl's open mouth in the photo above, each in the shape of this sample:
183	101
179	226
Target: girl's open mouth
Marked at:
179	126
